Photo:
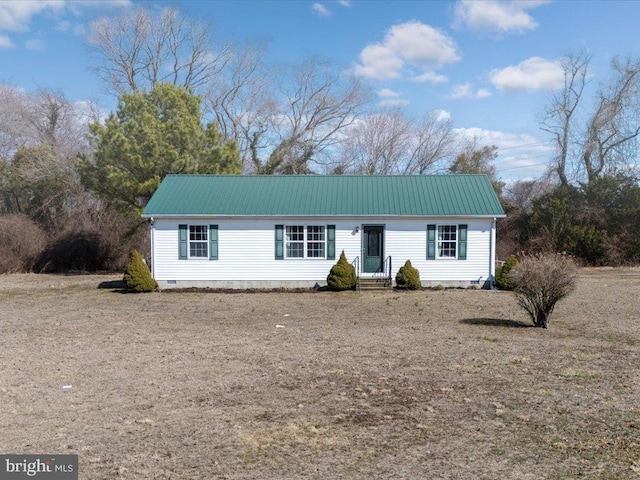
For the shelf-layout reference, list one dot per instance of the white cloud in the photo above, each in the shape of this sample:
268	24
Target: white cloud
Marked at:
520	156
66	26
535	73
430	77
34	45
496	16
5	42
345	3
387	93
320	10
466	90
393	102
16	16
441	115
379	62
412	44
390	98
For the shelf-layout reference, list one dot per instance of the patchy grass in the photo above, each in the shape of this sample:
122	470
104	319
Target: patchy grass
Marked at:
430	384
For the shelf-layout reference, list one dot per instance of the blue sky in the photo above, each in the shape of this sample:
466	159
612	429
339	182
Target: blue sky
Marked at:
490	65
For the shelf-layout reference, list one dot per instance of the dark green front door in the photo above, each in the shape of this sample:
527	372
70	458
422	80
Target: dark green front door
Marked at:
373	248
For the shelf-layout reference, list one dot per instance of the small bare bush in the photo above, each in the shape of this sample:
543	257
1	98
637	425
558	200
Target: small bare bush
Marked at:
21	241
540	281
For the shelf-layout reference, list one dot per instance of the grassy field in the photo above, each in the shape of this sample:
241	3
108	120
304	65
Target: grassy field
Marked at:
424	385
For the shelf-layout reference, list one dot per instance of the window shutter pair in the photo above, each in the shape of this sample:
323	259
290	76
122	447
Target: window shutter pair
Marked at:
431	242
183	240
331	242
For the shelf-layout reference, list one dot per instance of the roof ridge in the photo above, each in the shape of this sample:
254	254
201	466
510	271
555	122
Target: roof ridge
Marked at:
323	175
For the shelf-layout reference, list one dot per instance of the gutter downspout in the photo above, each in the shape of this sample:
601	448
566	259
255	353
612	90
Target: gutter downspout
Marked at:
152	239
492	254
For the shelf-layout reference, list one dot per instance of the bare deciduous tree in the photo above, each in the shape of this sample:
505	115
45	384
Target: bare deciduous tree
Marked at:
317	102
278	120
614	125
243	102
559	118
378	144
40	147
431	142
136	51
312	105
389	142
16	130
607	140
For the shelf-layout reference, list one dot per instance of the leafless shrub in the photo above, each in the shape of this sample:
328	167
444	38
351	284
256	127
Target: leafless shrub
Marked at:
540	281
96	239
21	240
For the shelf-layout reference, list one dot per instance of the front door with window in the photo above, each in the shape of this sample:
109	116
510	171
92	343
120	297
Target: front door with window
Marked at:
373	248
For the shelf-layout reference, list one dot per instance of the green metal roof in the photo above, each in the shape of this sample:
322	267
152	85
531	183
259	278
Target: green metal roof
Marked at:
324	195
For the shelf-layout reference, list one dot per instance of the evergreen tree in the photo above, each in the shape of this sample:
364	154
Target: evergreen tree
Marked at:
153	134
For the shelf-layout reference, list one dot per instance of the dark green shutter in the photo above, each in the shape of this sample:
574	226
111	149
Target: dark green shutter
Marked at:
279	242
462	242
431	242
182	236
331	242
213	242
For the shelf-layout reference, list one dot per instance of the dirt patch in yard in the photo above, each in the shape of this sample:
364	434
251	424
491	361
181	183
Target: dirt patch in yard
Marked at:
394	385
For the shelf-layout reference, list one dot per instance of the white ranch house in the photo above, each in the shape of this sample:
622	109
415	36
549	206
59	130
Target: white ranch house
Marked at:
223	231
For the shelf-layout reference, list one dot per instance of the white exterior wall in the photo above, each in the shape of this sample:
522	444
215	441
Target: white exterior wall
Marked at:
246	252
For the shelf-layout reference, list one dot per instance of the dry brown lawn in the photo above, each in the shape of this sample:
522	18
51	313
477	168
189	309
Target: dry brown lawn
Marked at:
422	385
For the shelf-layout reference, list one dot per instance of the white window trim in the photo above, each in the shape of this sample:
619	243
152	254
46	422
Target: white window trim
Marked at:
305	242
206	231
438	241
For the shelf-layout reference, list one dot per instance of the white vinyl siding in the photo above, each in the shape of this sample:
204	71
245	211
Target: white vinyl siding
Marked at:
246	249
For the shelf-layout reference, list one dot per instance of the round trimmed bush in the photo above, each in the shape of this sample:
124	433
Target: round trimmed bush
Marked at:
408	277
137	276
342	275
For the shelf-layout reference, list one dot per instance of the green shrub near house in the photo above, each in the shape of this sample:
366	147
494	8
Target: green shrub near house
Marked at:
137	276
408	277
342	275
502	274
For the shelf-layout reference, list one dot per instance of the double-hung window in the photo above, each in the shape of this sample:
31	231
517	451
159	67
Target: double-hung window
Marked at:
315	241
305	241
447	241
295	241
198	241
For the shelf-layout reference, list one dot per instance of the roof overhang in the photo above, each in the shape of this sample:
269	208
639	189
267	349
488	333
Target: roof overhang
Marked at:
210	215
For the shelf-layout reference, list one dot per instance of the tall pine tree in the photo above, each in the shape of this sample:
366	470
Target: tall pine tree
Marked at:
153	134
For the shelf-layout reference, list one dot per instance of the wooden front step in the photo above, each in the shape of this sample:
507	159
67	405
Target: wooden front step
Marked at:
373	284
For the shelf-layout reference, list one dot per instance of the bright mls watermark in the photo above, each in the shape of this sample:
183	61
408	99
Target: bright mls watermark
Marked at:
46	467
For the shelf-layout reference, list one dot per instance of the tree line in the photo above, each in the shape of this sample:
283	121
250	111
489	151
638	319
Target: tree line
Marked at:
72	183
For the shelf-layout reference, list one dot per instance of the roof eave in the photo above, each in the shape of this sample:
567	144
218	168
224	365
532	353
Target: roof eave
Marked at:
281	215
